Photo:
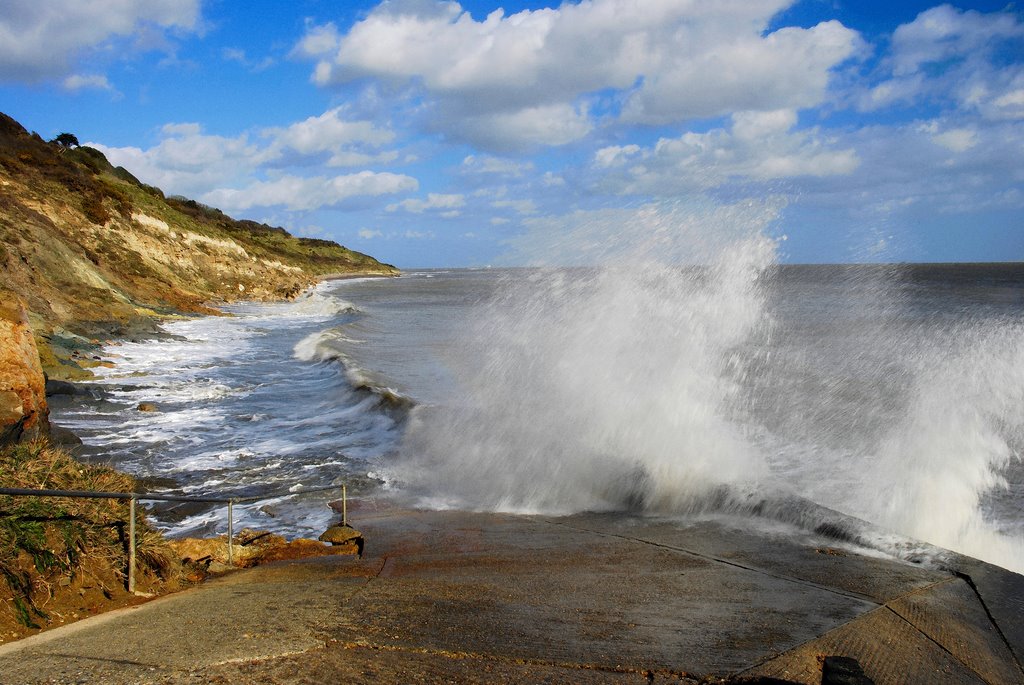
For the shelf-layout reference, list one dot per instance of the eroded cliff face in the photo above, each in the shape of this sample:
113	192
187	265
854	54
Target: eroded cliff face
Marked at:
96	254
23	411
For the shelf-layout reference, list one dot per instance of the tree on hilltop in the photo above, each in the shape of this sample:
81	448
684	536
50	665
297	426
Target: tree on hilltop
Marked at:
66	140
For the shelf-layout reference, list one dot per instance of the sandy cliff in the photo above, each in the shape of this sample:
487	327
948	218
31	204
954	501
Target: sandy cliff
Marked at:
94	253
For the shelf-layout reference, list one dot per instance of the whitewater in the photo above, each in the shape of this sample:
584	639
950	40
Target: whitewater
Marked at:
709	381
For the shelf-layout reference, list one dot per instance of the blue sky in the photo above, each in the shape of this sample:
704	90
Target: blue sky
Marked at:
443	134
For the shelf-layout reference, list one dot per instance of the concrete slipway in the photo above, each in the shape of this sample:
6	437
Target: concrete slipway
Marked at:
483	598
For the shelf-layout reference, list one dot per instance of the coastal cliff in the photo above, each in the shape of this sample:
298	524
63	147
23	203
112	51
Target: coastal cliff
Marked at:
89	253
94	253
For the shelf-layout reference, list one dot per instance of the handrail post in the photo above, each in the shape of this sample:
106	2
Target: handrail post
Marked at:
231	532
131	545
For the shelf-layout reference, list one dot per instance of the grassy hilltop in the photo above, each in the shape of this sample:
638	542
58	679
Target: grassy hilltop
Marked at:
95	253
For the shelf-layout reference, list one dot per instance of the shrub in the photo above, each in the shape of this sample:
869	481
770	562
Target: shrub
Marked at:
45	539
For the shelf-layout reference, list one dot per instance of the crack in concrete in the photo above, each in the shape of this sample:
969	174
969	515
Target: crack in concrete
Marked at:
992	619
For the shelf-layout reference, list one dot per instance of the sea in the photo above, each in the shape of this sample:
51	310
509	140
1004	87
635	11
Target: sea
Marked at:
768	395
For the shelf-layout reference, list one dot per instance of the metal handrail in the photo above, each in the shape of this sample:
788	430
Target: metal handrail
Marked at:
133	497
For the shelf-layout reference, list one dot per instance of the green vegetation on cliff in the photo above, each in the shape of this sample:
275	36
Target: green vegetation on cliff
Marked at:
95	253
65	558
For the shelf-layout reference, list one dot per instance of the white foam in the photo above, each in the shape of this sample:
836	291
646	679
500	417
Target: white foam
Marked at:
593	390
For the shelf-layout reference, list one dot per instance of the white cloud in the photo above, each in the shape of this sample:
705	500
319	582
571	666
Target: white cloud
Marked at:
944	33
40	40
433	201
187	161
697	231
303	194
957	139
508	82
716	72
239	56
488	164
419	235
556	124
759	146
87	81
933	167
614	155
552	180
950	55
520	206
330	133
367	234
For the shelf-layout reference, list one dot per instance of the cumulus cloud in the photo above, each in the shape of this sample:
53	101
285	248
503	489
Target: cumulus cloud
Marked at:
759	146
957	139
951	55
187	161
512	81
487	164
40	40
715	72
526	128
433	201
345	141
303	194
190	162
945	33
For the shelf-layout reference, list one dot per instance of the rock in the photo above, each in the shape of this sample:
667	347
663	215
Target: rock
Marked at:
250	549
147	406
24	414
55	387
303	548
63	437
344	535
337	535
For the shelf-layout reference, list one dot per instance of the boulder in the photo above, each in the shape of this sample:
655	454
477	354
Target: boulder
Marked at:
344	535
55	387
24	414
63	437
147	406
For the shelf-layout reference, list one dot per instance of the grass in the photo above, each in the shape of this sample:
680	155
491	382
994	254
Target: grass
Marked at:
49	543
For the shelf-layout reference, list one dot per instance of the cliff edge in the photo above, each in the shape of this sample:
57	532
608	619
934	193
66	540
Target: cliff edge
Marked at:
94	253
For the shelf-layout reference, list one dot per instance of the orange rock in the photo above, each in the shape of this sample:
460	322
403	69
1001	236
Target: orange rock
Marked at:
24	414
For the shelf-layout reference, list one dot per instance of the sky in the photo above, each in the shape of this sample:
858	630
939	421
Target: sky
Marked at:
433	134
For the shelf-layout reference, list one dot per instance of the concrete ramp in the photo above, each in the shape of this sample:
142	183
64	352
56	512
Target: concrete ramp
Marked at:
483	598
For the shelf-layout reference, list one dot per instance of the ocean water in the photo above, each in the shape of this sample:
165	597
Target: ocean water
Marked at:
740	387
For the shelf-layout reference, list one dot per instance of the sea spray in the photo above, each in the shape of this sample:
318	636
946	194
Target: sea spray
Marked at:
690	373
964	427
608	387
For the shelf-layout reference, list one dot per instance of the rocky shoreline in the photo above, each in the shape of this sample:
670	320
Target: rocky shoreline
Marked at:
51	597
89	256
